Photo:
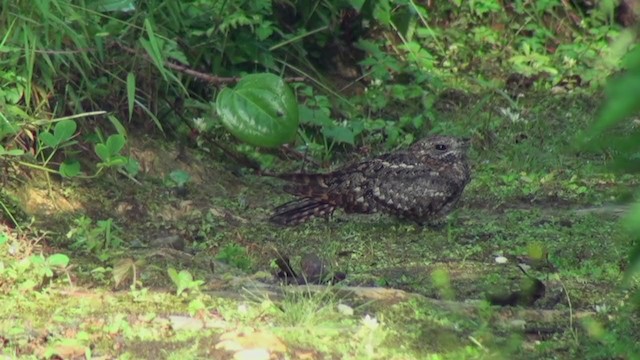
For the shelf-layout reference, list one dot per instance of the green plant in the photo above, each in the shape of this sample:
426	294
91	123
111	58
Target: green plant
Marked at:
98	239
109	151
179	178
183	281
529	62
50	142
235	255
46	266
22	271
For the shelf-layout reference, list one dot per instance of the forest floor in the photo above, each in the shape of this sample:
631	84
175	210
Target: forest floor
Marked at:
408	292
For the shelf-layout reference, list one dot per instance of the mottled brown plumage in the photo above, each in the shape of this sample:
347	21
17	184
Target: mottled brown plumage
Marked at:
422	184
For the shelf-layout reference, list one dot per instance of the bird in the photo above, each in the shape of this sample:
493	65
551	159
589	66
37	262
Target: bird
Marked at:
422	184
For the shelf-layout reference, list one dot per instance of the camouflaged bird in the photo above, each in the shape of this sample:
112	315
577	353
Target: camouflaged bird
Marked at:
421	184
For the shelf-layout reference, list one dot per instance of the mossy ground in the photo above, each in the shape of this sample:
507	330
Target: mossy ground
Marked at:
533	195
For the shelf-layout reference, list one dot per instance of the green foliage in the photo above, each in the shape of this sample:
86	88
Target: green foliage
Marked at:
45	266
622	103
62	135
21	271
260	110
99	239
50	143
179	178
235	255
109	151
407	58
183	281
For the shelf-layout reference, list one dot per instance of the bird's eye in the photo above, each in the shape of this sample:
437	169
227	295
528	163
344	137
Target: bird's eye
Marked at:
441	147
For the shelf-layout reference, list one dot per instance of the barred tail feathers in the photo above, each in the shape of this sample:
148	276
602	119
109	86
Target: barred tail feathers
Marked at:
298	211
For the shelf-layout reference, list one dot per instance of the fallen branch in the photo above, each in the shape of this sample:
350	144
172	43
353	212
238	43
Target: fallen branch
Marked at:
212	79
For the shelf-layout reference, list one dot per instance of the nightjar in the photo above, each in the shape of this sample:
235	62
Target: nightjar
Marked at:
422	184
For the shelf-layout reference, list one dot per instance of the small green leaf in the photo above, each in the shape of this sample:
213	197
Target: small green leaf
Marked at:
58	260
115	143
64	130
180	177
173	274
317	117
339	134
181	280
70	168
118	125
103	152
36	259
185	277
261	110
132	167
195	306
131	92
117	161
3	238
48	139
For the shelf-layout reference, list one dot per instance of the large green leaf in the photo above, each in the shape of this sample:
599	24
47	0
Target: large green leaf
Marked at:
261	110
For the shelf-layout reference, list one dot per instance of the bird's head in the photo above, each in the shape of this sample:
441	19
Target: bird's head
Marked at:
442	148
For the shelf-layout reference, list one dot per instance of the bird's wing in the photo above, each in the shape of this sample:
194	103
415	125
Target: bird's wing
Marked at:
417	193
351	186
317	184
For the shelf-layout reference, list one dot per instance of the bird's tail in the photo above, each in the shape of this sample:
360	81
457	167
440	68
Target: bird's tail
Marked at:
298	211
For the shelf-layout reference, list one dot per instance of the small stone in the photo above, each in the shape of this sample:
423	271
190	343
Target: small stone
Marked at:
171	241
314	268
252	354
517	324
185	323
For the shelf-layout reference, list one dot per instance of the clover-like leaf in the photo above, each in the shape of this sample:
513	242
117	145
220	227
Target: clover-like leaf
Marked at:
64	130
115	143
69	168
117	160
48	139
103	152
